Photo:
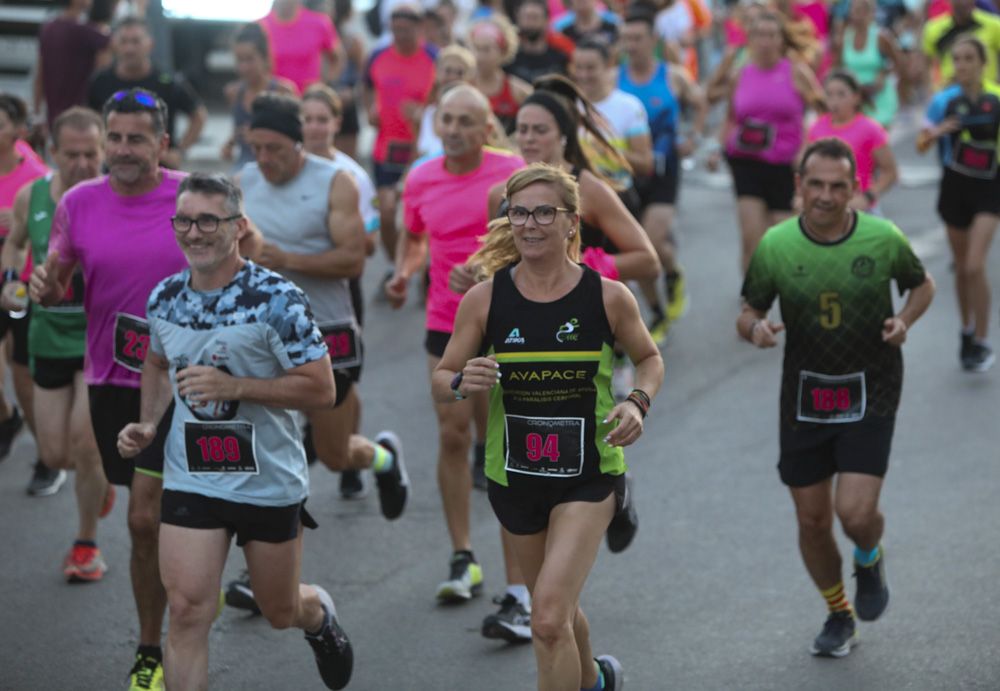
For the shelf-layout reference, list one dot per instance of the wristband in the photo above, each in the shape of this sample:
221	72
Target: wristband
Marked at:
640	399
456	382
8	276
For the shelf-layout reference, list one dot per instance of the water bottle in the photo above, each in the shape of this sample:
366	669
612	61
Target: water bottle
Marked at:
20	302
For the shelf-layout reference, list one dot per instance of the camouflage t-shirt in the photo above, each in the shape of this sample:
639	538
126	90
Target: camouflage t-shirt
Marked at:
259	326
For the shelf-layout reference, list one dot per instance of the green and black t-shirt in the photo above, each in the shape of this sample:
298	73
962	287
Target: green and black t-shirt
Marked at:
834	299
546	418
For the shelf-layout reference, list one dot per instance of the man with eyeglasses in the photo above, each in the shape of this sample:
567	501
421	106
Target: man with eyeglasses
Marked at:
445	207
234	346
117	229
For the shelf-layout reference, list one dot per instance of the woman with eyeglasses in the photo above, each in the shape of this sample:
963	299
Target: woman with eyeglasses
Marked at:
554	454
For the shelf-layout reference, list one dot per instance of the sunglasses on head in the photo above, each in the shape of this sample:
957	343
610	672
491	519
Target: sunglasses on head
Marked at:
142	98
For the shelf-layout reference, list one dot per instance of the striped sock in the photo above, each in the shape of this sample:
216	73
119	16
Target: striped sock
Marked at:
836	599
383	459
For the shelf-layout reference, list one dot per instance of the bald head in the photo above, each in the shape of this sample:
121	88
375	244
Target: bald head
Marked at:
463	123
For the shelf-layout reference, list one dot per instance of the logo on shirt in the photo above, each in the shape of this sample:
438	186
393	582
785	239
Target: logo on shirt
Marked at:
514	337
800	271
210	410
568	331
863	267
41	216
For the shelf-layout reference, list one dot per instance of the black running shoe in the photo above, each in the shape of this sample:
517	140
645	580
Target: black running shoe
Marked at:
872	595
332	648
393	484
625	524
239	594
837	637
352	484
8	431
512	623
614	674
965	352
45	481
980	359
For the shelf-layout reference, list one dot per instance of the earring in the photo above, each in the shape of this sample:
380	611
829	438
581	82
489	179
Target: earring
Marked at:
563	142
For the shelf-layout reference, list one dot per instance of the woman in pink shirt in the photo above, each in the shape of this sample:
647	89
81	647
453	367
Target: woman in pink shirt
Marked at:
300	40
877	170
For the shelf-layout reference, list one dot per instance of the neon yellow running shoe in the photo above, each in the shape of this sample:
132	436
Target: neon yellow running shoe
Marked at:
464	581
658	329
146	674
677	297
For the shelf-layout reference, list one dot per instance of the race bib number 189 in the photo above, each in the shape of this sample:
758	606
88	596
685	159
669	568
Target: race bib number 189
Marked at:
831	399
220	447
547	446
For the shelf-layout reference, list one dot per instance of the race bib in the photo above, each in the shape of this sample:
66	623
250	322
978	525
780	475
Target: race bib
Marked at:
343	343
975	160
220	447
545	446
754	135
828	399
131	341
399	154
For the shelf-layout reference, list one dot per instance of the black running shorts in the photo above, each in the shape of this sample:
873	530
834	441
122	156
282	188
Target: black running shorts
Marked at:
19	334
111	408
961	198
435	343
811	452
55	373
659	189
523	508
772	183
248	522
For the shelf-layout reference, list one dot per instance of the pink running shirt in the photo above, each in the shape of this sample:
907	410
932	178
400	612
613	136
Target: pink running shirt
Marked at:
125	246
298	46
452	210
862	134
396	78
30	168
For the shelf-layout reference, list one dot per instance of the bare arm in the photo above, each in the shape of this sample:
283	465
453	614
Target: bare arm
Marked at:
196	123
50	280
917	301
12	256
37	95
639	153
886	170
478	374
306	387
753	326
636	257
156	389
808	86
347	232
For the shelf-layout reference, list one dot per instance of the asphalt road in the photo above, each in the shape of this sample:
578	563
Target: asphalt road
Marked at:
712	595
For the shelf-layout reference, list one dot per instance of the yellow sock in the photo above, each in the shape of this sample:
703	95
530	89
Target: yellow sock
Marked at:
836	599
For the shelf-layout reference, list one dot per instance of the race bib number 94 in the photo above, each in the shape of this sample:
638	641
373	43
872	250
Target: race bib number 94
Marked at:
220	447
131	341
830	399
546	446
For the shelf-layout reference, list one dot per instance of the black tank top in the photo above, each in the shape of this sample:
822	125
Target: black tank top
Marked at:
546	413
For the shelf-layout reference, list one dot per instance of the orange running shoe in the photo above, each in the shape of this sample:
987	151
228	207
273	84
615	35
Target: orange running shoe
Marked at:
109	501
84	564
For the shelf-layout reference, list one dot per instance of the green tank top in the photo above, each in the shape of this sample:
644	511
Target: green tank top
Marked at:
58	331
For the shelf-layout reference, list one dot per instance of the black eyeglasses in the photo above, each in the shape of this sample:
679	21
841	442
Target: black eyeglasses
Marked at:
207	223
543	214
143	98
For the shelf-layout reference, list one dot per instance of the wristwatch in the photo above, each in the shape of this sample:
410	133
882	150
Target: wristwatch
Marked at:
456	382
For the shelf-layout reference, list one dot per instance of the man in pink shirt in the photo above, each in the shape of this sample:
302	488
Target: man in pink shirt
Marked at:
17	169
445	206
398	80
301	39
117	228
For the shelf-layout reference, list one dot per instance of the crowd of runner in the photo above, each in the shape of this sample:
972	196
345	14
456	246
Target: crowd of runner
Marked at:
189	342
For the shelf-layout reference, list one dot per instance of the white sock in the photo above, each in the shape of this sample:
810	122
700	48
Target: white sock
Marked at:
520	591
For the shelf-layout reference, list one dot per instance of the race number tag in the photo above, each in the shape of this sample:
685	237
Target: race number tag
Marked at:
976	160
342	341
754	135
546	446
399	154
831	399
220	447
131	341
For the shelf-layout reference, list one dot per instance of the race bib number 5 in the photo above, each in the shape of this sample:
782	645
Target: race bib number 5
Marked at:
546	446
830	399
342	342
131	341
220	447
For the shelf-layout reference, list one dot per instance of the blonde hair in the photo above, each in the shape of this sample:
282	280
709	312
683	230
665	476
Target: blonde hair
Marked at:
498	248
502	32
460	53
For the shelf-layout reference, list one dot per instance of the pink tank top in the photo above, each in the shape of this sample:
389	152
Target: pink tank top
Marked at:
768	112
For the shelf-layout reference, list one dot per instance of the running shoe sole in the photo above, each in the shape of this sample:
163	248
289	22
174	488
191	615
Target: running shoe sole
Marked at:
842	651
611	663
49	489
340	677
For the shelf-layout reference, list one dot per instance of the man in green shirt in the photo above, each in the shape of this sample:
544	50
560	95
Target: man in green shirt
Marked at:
56	336
831	269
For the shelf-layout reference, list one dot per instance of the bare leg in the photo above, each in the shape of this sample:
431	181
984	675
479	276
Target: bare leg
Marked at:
958	239
976	281
857	508
814	511
753	219
144	525
454	474
275	572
